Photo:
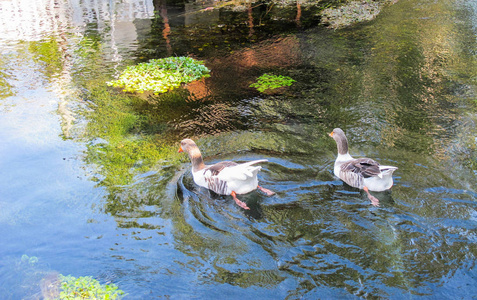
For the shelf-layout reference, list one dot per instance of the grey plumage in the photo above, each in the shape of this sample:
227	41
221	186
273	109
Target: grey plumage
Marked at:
215	169
360	172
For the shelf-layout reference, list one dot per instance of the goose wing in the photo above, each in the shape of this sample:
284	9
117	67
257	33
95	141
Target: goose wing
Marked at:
366	167
215	169
240	172
219	176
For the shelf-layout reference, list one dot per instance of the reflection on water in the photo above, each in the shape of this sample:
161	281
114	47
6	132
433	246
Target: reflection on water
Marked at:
105	194
26	20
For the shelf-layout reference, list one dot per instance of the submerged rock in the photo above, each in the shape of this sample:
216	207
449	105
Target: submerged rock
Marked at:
50	286
353	12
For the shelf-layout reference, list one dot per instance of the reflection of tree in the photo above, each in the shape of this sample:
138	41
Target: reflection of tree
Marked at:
409	68
6	89
167	28
53	54
298	13
47	52
219	29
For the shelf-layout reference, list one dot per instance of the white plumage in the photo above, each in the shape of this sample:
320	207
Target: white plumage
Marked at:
362	173
226	177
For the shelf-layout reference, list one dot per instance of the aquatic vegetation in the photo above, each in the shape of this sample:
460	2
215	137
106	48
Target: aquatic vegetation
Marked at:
47	52
269	82
87	288
123	142
6	88
160	75
29	259
38	283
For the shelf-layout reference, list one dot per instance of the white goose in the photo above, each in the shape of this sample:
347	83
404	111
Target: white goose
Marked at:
226	177
362	173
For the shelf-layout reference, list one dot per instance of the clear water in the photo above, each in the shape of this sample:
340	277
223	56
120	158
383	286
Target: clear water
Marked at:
401	86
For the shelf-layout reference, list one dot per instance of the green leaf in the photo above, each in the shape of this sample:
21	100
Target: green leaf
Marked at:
269	81
160	75
87	288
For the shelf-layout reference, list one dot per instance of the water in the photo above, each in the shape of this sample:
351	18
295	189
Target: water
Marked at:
92	184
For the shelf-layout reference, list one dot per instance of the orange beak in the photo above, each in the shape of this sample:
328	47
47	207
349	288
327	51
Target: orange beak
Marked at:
180	150
331	134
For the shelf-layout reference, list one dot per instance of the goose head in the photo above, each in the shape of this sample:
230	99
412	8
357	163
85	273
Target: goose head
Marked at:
341	141
189	146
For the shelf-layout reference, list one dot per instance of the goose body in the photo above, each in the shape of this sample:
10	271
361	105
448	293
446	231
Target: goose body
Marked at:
226	177
362	173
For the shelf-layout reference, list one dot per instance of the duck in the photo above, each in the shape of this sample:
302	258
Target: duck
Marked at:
362	173
225	177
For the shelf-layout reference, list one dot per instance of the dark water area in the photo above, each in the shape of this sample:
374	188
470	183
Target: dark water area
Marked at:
92	184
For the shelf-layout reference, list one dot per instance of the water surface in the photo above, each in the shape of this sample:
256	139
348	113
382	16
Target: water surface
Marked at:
91	183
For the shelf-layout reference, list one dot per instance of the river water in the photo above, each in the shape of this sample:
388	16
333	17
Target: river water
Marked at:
91	184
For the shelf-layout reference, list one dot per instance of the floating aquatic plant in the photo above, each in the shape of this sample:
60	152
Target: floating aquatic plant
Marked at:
160	75
87	288
270	82
30	260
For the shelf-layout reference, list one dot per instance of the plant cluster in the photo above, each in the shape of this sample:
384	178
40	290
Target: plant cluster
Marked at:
29	259
160	75
270	82
87	288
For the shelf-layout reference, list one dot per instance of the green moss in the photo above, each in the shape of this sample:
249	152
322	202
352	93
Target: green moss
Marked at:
87	288
47	52
6	89
160	75
270	82
119	145
122	160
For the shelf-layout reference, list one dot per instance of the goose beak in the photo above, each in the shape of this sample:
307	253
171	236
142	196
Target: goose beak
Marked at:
180	150
331	134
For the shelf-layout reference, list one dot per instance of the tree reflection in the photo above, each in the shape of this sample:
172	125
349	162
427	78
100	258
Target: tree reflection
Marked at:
6	88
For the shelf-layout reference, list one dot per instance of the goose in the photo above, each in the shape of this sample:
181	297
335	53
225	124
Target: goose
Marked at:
362	173
226	177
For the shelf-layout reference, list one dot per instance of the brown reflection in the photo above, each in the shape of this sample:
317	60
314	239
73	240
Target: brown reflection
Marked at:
283	52
250	20
298	13
167	28
234	73
198	90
